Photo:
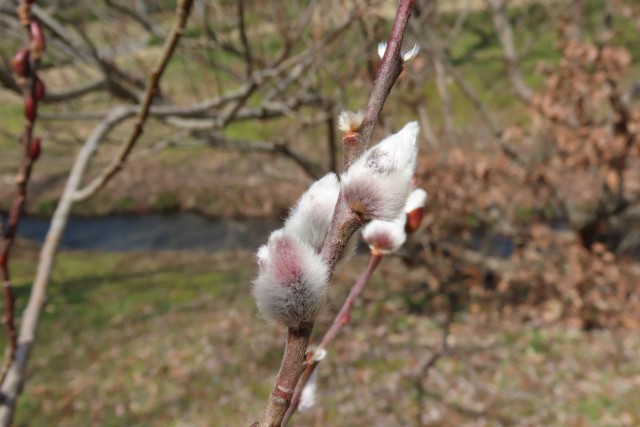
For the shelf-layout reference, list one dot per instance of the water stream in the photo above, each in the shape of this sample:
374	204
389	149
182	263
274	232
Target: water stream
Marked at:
154	232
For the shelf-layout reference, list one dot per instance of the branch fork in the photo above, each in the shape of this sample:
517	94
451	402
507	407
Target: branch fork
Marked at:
345	222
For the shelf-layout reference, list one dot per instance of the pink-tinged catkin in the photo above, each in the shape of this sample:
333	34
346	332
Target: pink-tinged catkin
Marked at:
388	236
292	280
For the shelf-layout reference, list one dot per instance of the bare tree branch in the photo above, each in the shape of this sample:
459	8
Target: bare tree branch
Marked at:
505	35
26	63
152	88
141	19
13	383
218	140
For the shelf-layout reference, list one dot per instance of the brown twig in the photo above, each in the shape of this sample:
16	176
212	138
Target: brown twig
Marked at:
428	362
183	10
339	322
505	36
28	144
345	222
293	363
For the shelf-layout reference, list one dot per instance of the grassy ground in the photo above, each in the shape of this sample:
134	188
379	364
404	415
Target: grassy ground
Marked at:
172	339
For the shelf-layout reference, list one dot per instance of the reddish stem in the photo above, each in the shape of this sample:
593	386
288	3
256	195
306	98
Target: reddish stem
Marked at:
390	69
340	321
21	180
293	364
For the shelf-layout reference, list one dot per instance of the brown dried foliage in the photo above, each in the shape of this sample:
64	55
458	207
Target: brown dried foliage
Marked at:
560	213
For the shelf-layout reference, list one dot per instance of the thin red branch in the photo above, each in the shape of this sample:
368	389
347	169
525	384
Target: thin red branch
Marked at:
390	69
29	83
340	321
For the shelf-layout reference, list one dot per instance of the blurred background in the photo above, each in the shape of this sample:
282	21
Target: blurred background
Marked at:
516	304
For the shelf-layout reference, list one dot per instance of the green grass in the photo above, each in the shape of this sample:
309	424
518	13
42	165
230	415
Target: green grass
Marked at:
100	308
11	117
168	339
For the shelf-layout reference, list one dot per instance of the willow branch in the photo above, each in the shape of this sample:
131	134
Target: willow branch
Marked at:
340	321
345	222
390	69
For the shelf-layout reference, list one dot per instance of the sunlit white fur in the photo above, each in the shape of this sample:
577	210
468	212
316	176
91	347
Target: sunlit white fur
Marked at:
309	395
417	199
263	257
291	283
309	220
382	48
378	183
411	53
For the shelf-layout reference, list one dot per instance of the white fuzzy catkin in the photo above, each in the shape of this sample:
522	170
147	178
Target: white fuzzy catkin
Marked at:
417	199
309	395
292	280
309	220
385	236
348	121
378	183
406	56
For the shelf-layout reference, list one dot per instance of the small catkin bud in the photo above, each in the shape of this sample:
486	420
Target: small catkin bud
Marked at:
39	89
309	395
291	283
34	149
385	236
406	56
30	108
309	220
20	63
377	185
411	53
348	121
415	209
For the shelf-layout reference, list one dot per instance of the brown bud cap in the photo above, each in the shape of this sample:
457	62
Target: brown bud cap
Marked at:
24	13
34	149
30	108
20	63
39	89
414	219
